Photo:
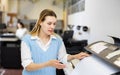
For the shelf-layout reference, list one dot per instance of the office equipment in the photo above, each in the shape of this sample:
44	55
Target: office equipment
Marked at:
93	65
73	46
2	26
97	63
116	40
32	24
10	52
117	73
107	51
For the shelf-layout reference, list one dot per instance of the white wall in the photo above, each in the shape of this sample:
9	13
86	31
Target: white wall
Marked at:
32	10
102	17
13	6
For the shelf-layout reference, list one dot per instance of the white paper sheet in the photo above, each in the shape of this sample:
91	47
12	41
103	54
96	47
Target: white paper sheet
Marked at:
98	47
117	62
112	54
93	66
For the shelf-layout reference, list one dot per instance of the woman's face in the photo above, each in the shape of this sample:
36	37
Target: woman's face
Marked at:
19	26
48	25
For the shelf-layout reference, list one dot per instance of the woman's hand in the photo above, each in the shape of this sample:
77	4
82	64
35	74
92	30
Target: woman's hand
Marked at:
56	64
81	55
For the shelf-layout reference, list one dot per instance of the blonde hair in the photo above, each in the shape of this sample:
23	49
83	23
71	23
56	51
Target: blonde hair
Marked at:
44	13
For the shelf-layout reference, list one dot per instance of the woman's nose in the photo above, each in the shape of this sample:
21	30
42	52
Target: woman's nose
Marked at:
53	26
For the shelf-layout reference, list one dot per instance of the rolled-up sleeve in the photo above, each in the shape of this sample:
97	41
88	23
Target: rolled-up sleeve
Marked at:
25	54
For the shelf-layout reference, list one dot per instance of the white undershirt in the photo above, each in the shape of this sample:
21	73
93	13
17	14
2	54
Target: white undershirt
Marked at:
21	32
26	54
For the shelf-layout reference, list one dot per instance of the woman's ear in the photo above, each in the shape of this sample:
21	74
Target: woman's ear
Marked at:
40	23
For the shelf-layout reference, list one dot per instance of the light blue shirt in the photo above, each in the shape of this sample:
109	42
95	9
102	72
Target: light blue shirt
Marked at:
40	56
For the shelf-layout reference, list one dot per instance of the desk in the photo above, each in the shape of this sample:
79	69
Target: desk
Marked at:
93	66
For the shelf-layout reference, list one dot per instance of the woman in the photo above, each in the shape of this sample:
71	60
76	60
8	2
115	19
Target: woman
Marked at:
21	30
42	50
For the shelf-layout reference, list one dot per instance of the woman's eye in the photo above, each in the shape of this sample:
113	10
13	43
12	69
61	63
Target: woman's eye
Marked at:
54	24
49	23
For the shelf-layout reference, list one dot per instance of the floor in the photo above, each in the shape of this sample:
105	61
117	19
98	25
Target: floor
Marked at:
19	72
11	71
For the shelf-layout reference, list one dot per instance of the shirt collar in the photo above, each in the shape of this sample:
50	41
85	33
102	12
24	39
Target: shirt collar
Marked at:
37	38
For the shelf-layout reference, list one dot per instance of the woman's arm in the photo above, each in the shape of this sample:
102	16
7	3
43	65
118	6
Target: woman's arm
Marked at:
32	66
64	57
53	63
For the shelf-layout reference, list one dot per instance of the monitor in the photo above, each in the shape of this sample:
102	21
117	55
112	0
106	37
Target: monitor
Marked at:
2	26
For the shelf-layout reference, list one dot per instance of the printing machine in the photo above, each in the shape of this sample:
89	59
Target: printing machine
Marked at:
104	60
9	51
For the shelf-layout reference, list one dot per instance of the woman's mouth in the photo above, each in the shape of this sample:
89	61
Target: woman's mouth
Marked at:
50	31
